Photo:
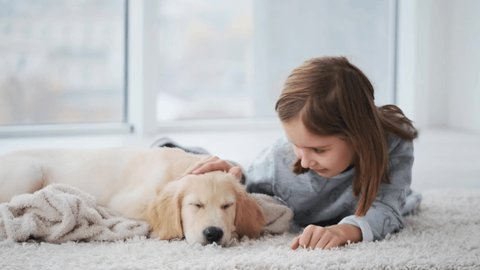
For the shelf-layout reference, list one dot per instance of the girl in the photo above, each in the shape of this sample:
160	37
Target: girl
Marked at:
344	166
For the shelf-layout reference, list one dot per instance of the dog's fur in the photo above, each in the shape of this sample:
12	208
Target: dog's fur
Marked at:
147	184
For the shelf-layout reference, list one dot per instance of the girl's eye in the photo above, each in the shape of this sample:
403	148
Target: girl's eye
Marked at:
226	206
318	151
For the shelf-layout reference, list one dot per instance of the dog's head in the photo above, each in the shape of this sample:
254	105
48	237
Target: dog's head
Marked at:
205	208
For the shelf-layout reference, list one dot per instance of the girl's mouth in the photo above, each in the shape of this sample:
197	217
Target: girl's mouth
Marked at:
320	171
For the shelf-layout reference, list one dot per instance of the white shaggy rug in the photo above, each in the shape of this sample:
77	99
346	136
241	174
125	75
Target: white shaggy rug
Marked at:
443	234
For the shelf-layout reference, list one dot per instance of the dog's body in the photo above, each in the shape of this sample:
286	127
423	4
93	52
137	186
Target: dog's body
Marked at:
146	184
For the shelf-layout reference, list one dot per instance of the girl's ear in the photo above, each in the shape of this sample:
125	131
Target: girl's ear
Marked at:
164	213
249	218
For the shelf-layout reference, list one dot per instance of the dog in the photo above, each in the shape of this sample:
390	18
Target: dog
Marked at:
145	184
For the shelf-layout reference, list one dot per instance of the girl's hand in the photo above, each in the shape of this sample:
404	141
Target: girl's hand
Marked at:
214	163
327	237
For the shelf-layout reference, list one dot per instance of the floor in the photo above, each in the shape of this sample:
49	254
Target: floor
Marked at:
443	158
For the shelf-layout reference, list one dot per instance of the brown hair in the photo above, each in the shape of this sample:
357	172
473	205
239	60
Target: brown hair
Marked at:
333	97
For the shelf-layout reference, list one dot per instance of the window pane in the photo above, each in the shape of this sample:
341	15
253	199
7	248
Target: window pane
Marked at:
205	59
62	61
229	59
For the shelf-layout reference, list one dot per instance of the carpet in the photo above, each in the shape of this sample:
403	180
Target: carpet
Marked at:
443	234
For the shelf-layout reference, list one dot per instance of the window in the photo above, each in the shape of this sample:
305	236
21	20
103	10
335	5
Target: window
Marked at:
62	62
229	59
205	59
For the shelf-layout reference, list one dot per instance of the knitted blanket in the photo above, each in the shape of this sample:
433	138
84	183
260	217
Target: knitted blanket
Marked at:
278	216
60	213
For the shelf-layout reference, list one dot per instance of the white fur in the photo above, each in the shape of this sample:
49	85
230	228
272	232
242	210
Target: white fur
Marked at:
148	184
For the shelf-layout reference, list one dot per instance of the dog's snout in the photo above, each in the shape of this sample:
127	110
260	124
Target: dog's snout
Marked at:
213	234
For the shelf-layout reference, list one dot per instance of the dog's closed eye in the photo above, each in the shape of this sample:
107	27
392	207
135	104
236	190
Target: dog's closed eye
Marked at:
197	205
226	206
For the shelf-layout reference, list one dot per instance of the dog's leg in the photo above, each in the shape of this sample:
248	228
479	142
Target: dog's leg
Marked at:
19	175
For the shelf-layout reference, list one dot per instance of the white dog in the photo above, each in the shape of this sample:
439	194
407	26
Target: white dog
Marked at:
146	184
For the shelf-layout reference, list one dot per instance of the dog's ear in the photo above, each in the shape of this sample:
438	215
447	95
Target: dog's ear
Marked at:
164	213
249	217
236	171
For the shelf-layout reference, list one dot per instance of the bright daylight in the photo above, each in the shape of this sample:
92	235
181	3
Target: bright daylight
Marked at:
219	134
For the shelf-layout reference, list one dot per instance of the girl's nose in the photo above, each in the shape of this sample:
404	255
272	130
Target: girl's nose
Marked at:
307	163
305	160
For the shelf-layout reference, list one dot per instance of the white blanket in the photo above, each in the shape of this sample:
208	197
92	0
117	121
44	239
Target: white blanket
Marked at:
278	216
60	213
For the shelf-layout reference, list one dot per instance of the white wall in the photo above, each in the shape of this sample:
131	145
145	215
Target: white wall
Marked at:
464	94
439	63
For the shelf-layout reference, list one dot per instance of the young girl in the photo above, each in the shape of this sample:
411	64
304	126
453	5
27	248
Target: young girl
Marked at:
345	165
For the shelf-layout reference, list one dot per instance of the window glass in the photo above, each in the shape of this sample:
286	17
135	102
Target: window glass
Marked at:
62	61
205	59
229	59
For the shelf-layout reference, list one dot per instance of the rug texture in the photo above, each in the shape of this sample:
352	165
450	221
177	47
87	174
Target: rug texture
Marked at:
443	234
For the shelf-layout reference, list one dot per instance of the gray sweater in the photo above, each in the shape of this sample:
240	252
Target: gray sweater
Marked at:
321	201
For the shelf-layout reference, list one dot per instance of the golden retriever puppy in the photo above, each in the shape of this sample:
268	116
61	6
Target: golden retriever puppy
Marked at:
146	184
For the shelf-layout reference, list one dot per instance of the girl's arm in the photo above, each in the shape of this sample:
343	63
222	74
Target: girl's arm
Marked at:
258	178
260	174
385	215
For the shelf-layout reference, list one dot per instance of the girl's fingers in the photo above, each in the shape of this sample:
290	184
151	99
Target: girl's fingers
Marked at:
295	243
334	242
201	163
305	237
213	165
322	243
236	171
316	236
324	239
219	165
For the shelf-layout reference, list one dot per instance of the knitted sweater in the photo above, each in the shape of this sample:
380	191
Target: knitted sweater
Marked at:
321	201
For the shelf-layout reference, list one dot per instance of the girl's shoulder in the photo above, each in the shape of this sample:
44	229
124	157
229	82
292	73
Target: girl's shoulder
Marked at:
280	151
282	146
282	142
396	144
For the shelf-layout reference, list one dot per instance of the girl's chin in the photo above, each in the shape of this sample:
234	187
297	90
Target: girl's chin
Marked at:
323	173
326	173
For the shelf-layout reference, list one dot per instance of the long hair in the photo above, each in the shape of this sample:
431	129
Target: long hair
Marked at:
333	97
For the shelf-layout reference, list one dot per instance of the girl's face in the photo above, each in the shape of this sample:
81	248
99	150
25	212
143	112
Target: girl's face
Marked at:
326	155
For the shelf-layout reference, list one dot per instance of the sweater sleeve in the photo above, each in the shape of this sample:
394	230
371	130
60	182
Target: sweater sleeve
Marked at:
384	216
260	174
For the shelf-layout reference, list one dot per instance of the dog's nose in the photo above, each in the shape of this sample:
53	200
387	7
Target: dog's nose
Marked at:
213	234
